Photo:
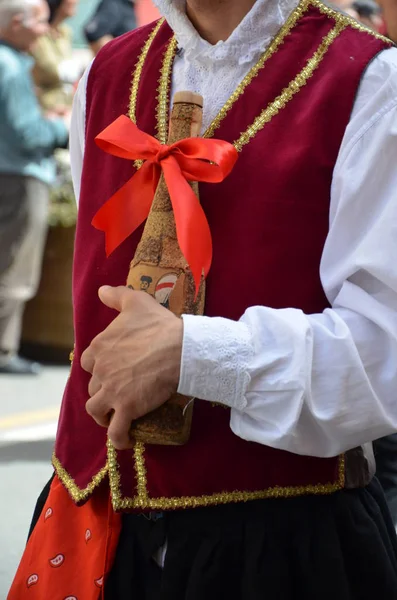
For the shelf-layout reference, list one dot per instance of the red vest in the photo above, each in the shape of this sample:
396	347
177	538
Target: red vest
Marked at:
269	222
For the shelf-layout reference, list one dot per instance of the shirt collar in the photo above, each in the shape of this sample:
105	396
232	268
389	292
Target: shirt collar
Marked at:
248	40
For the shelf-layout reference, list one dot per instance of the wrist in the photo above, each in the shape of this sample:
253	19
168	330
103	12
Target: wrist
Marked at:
175	337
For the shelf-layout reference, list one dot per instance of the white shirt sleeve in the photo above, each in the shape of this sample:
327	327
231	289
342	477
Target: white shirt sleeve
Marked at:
315	384
77	133
324	383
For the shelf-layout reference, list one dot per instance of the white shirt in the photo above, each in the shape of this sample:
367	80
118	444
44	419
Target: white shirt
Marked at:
314	384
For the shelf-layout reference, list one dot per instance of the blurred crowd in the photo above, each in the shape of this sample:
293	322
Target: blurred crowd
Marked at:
39	73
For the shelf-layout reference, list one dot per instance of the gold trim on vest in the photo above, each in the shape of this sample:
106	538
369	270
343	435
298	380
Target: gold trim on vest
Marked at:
166	75
136	78
78	494
164	91
142	499
347	21
289	92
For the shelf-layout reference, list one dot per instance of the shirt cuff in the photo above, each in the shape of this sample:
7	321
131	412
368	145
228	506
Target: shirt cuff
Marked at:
216	355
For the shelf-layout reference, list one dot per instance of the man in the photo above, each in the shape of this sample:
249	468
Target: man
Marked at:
111	19
27	142
273	495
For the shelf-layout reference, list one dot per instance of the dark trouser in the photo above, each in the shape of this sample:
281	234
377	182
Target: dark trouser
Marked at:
337	547
386	465
23	229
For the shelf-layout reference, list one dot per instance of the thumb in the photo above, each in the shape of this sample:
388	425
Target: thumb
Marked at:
113	297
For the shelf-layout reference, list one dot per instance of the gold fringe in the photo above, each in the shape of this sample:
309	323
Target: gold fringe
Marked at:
163	98
166	74
144	502
272	49
136	78
77	494
347	21
289	92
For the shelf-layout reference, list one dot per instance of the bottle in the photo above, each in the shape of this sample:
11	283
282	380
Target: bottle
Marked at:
160	269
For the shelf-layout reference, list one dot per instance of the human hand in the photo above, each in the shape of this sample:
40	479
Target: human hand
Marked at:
134	363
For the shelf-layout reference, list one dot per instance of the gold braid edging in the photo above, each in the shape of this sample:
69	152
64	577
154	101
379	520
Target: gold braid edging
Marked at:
293	88
136	78
77	494
274	46
347	21
163	98
166	74
143	501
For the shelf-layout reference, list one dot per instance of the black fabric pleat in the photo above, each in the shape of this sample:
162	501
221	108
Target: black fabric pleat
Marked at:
340	547
337	547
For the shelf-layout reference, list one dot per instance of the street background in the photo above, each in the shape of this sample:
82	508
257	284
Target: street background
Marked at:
28	420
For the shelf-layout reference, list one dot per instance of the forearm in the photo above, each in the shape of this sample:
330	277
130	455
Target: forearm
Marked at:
322	383
313	385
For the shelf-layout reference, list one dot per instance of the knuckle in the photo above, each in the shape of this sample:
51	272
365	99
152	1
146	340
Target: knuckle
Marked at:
97	413
90	408
86	359
96	344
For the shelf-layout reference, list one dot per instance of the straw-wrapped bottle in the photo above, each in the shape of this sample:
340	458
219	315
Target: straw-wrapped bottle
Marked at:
160	269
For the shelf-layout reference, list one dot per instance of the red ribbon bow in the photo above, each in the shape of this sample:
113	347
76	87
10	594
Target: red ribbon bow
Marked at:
192	159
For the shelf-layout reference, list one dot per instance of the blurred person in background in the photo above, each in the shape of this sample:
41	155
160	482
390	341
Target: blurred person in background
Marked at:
389	13
380	15
55	72
27	142
111	19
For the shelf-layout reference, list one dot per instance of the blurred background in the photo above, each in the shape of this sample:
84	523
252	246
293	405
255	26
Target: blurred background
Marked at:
37	226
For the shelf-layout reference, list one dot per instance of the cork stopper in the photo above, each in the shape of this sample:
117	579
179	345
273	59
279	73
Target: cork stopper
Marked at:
188	98
186	116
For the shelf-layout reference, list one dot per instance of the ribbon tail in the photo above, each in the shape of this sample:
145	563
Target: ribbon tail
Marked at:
127	209
193	232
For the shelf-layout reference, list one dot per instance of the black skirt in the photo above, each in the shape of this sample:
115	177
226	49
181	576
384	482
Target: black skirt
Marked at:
338	547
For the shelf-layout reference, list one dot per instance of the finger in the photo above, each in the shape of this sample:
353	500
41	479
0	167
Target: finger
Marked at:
94	386
119	431
114	297
87	360
99	410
